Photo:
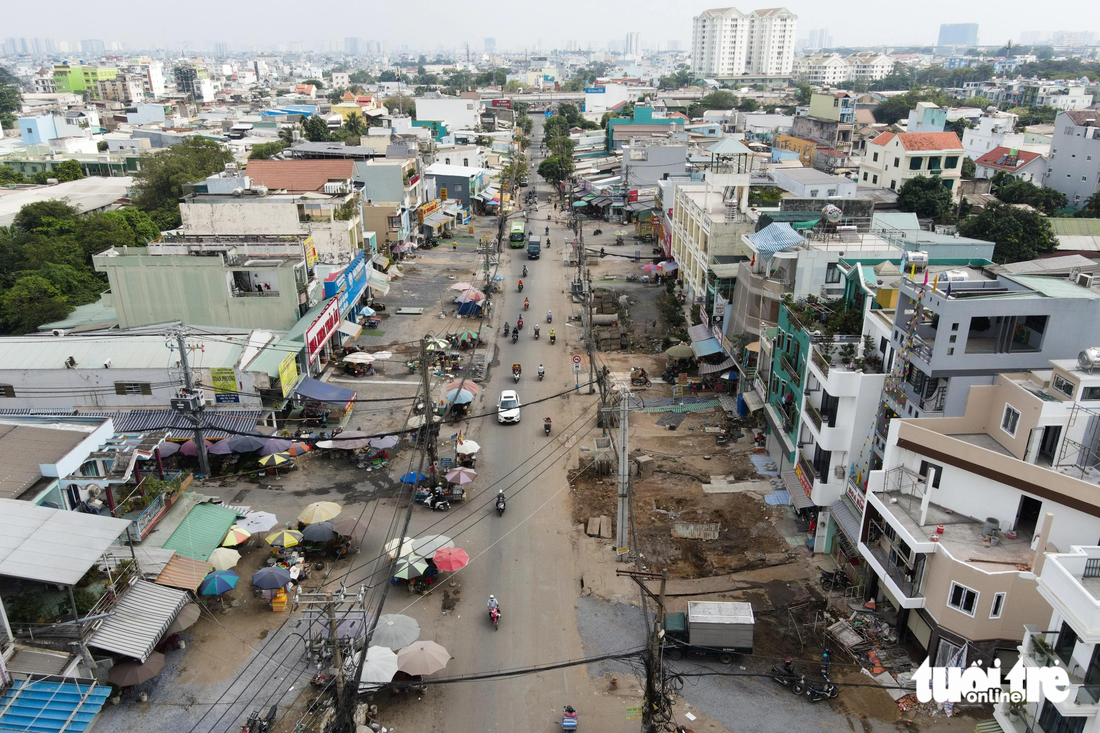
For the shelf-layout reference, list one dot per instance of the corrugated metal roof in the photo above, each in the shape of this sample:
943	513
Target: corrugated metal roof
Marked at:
26	447
90	352
38	661
139	620
201	531
217	423
699	332
51	707
183	572
706	347
846	520
53	545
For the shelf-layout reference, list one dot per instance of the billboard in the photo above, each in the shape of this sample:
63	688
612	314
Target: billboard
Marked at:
288	374
595	90
502	103
311	252
319	331
224	382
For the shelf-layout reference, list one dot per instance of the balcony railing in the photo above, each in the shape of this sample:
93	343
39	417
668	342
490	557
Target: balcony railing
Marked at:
820	362
794	374
904	581
922	348
255	294
814	415
807	469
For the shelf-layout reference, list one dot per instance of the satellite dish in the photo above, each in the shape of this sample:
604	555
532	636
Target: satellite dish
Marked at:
831	214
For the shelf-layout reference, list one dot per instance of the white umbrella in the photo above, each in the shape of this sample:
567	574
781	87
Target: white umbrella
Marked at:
462	286
258	522
467	447
417	420
422	657
395	631
379	667
347	440
382	356
427	545
405	546
224	558
358	357
386	441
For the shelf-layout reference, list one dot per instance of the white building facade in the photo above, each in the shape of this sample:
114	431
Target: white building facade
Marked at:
727	42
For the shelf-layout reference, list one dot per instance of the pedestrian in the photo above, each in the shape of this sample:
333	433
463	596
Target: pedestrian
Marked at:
454	246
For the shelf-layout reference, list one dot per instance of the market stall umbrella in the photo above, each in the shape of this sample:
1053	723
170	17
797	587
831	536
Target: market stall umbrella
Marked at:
271	578
470	335
379	667
427	545
219	448
680	351
498	278
410	566
461	476
224	558
298	449
460	397
258	522
218	582
395	631
275	445
246	443
358	357
468	447
185	619
462	286
405	546
422	657
382	355
190	449
347	440
437	345
450	559
651	268
472	294
319	532
465	384
284	538
347	525
670	266
412	477
128	674
367	311
386	441
235	536
168	449
275	459
416	421
319	511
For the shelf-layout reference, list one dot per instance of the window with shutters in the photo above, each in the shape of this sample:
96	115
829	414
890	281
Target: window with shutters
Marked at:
133	388
7	390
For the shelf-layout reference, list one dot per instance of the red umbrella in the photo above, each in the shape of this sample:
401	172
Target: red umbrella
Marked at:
298	449
449	559
190	449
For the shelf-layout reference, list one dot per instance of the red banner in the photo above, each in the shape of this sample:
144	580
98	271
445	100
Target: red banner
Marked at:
319	331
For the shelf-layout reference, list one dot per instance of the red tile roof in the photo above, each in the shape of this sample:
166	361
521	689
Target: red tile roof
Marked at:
883	139
298	176
995	158
930	141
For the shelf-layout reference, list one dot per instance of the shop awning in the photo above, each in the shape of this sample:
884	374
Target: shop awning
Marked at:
846	520
706	347
794	488
640	206
601	201
715	368
579	204
183	572
381	260
699	332
378	283
315	389
436	219
752	400
451	209
137	623
351	329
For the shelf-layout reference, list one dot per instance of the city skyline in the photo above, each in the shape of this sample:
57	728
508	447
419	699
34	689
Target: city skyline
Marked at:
517	31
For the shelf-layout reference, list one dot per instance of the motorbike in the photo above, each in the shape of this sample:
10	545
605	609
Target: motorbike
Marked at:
536	333
525	270
542	373
546	425
818	691
788	675
597	230
494	616
257	724
500	504
549	317
632	278
519	323
515	375
835	580
515	336
553	338
437	503
526	305
639	378
569	718
506	329
521	287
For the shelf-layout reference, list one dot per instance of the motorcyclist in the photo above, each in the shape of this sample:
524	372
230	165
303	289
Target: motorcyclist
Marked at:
549	317
500	505
519	322
536	330
515	334
552	337
506	328
526	304
494	605
521	285
542	369
525	270
547	232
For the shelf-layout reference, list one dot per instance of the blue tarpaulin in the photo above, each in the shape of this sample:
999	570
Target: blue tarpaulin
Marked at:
706	347
774	238
469	309
315	389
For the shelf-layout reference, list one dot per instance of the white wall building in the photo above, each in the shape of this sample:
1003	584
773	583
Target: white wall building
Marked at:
823	69
894	158
727	42
993	131
456	114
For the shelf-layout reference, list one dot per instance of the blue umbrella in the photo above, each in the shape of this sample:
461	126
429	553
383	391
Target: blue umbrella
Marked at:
218	582
275	445
412	477
498	278
460	396
271	578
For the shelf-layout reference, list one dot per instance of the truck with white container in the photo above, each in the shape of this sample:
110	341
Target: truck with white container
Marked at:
709	629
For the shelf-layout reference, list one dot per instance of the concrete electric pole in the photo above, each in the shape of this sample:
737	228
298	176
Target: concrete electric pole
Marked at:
190	401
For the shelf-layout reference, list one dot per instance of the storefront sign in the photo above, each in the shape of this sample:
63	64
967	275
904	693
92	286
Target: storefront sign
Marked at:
704	318
319	331
311	252
856	496
716	331
595	90
727	346
760	391
224	382
348	285
502	103
803	479
288	374
426	210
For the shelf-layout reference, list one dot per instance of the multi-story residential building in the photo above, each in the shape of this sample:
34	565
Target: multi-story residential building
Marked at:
958	517
1022	164
623	130
823	69
830	125
389	189
318	205
870	66
893	158
152	77
727	42
81	79
126	88
958	34
926	117
1074	163
994	130
708	217
43	82
1064	97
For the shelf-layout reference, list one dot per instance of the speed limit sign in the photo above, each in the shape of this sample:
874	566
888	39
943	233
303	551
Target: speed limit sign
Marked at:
576	358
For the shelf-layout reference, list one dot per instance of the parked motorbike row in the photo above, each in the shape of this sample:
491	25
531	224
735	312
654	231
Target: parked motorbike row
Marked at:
790	676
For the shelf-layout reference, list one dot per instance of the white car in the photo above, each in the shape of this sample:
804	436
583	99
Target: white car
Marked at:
508	407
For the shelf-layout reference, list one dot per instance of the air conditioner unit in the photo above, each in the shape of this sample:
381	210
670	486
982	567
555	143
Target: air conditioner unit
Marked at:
107	363
70	363
838	471
58	332
1084	280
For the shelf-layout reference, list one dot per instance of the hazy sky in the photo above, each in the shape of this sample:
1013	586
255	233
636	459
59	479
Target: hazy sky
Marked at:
431	24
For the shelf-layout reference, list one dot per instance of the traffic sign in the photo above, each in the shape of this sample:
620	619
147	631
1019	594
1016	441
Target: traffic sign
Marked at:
576	358
548	113
576	367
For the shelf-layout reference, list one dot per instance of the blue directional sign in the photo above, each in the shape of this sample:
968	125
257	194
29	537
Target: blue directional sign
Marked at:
548	113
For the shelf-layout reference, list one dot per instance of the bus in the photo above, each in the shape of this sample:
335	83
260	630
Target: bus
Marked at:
517	235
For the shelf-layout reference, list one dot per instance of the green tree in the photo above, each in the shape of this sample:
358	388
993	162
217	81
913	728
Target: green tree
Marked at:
44	217
926	196
263	151
69	170
159	183
1012	190
1018	234
748	105
30	302
315	82
958	126
11	98
556	169
1091	209
354	125
804	94
1034	115
37	250
387	75
77	285
315	129
143	227
969	169
10	175
286	134
401	105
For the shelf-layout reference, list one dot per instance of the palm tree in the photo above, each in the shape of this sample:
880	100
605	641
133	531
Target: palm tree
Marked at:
354	124
286	134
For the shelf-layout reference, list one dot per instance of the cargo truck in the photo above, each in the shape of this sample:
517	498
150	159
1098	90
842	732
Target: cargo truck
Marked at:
534	246
709	629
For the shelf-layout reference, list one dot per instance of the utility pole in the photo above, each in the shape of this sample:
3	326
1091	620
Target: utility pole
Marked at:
426	385
622	519
655	709
337	652
190	402
329	610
